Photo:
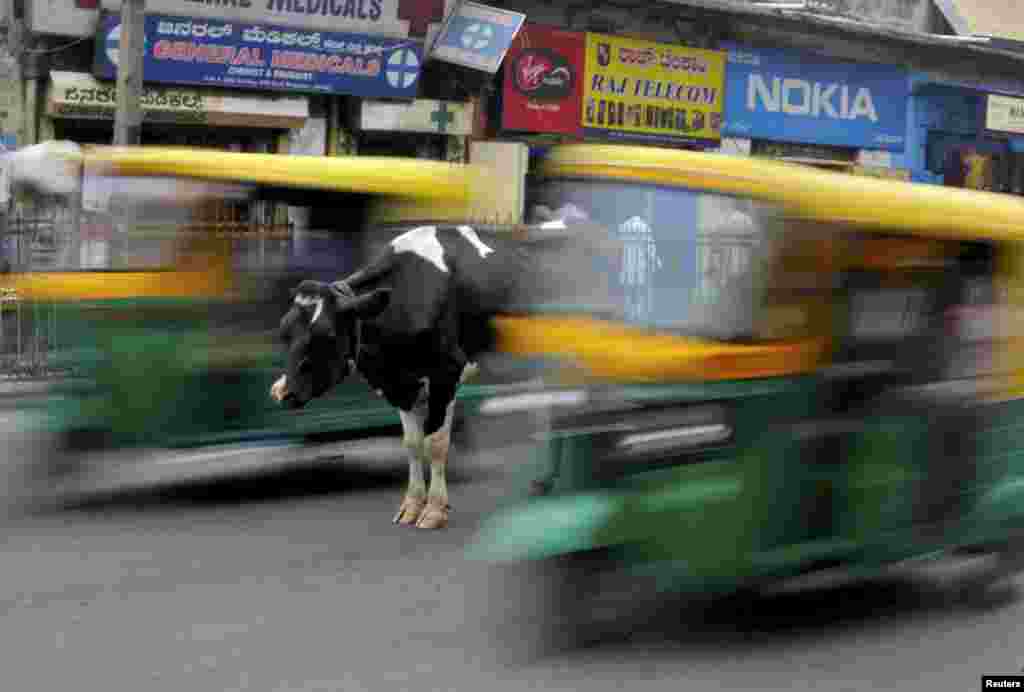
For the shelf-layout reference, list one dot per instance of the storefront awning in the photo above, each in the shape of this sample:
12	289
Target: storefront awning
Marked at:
1001	19
80	95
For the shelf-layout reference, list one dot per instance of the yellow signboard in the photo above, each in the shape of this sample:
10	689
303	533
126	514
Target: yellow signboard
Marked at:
646	91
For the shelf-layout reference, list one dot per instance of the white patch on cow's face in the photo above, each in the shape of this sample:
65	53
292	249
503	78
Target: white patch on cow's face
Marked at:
558	225
422	241
469	234
279	389
305	300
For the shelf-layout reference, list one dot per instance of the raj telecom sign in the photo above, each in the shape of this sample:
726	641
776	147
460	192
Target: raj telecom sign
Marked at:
652	92
797	97
228	54
477	36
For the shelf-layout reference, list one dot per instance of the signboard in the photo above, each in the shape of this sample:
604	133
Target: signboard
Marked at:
62	17
1004	114
477	36
543	82
421	115
79	95
798	97
397	18
652	92
251	56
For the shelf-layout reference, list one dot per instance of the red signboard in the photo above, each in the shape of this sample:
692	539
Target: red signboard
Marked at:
543	81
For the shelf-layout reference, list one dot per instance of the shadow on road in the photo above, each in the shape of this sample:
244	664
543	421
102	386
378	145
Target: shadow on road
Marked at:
366	471
749	623
310	480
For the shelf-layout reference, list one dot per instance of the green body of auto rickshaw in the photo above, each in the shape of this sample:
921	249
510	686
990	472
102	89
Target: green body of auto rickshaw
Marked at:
174	344
811	371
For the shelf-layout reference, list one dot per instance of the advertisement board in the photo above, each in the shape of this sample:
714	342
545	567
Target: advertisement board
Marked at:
477	36
79	95
252	56
792	96
1004	114
543	84
654	92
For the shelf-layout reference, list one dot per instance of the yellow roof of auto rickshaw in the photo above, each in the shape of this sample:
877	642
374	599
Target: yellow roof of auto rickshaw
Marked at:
869	203
376	175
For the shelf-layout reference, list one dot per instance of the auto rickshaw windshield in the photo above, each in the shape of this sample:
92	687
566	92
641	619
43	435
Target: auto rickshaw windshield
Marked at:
691	261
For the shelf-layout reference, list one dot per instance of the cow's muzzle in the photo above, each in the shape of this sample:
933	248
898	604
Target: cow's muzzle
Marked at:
279	390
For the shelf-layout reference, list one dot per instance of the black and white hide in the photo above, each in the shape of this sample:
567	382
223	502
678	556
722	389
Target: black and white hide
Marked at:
410	322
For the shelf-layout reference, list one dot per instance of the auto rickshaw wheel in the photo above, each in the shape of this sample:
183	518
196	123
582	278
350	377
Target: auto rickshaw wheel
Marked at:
993	582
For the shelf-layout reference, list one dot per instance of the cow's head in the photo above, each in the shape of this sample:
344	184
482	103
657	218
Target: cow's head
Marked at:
320	333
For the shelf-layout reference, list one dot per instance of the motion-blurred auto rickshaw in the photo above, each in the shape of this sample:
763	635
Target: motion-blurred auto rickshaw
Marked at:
173	344
813	371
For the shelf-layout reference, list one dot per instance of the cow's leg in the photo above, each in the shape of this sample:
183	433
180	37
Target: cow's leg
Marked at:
415	497
436	445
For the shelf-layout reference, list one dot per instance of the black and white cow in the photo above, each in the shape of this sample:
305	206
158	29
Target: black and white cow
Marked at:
410	323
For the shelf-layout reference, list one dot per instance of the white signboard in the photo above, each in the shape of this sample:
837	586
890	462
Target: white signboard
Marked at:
62	17
80	95
421	115
400	18
476	36
1004	114
735	146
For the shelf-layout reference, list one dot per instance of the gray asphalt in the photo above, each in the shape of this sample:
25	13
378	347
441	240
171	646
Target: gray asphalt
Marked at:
300	582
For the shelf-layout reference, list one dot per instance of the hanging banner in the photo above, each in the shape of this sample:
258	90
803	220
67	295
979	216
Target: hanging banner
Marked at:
646	91
544	81
253	56
477	36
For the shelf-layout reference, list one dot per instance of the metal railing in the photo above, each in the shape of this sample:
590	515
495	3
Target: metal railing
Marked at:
29	338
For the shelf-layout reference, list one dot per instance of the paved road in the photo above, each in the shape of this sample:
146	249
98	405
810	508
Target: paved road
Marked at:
304	584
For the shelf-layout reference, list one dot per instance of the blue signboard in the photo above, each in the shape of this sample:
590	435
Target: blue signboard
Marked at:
222	53
477	36
797	97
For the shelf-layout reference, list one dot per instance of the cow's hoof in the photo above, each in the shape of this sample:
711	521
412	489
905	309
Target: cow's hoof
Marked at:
435	516
409	511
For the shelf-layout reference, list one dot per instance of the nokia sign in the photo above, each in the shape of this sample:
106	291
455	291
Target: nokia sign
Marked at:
785	96
800	97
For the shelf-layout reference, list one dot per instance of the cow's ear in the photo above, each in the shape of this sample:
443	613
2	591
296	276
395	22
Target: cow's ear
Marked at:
370	304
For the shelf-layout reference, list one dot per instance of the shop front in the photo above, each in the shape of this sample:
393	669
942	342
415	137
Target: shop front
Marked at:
81	108
969	136
807	108
253	86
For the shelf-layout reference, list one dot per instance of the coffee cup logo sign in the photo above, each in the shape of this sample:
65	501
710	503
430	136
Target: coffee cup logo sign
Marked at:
543	75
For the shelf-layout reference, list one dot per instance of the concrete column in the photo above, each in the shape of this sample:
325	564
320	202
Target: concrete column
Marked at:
32	111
